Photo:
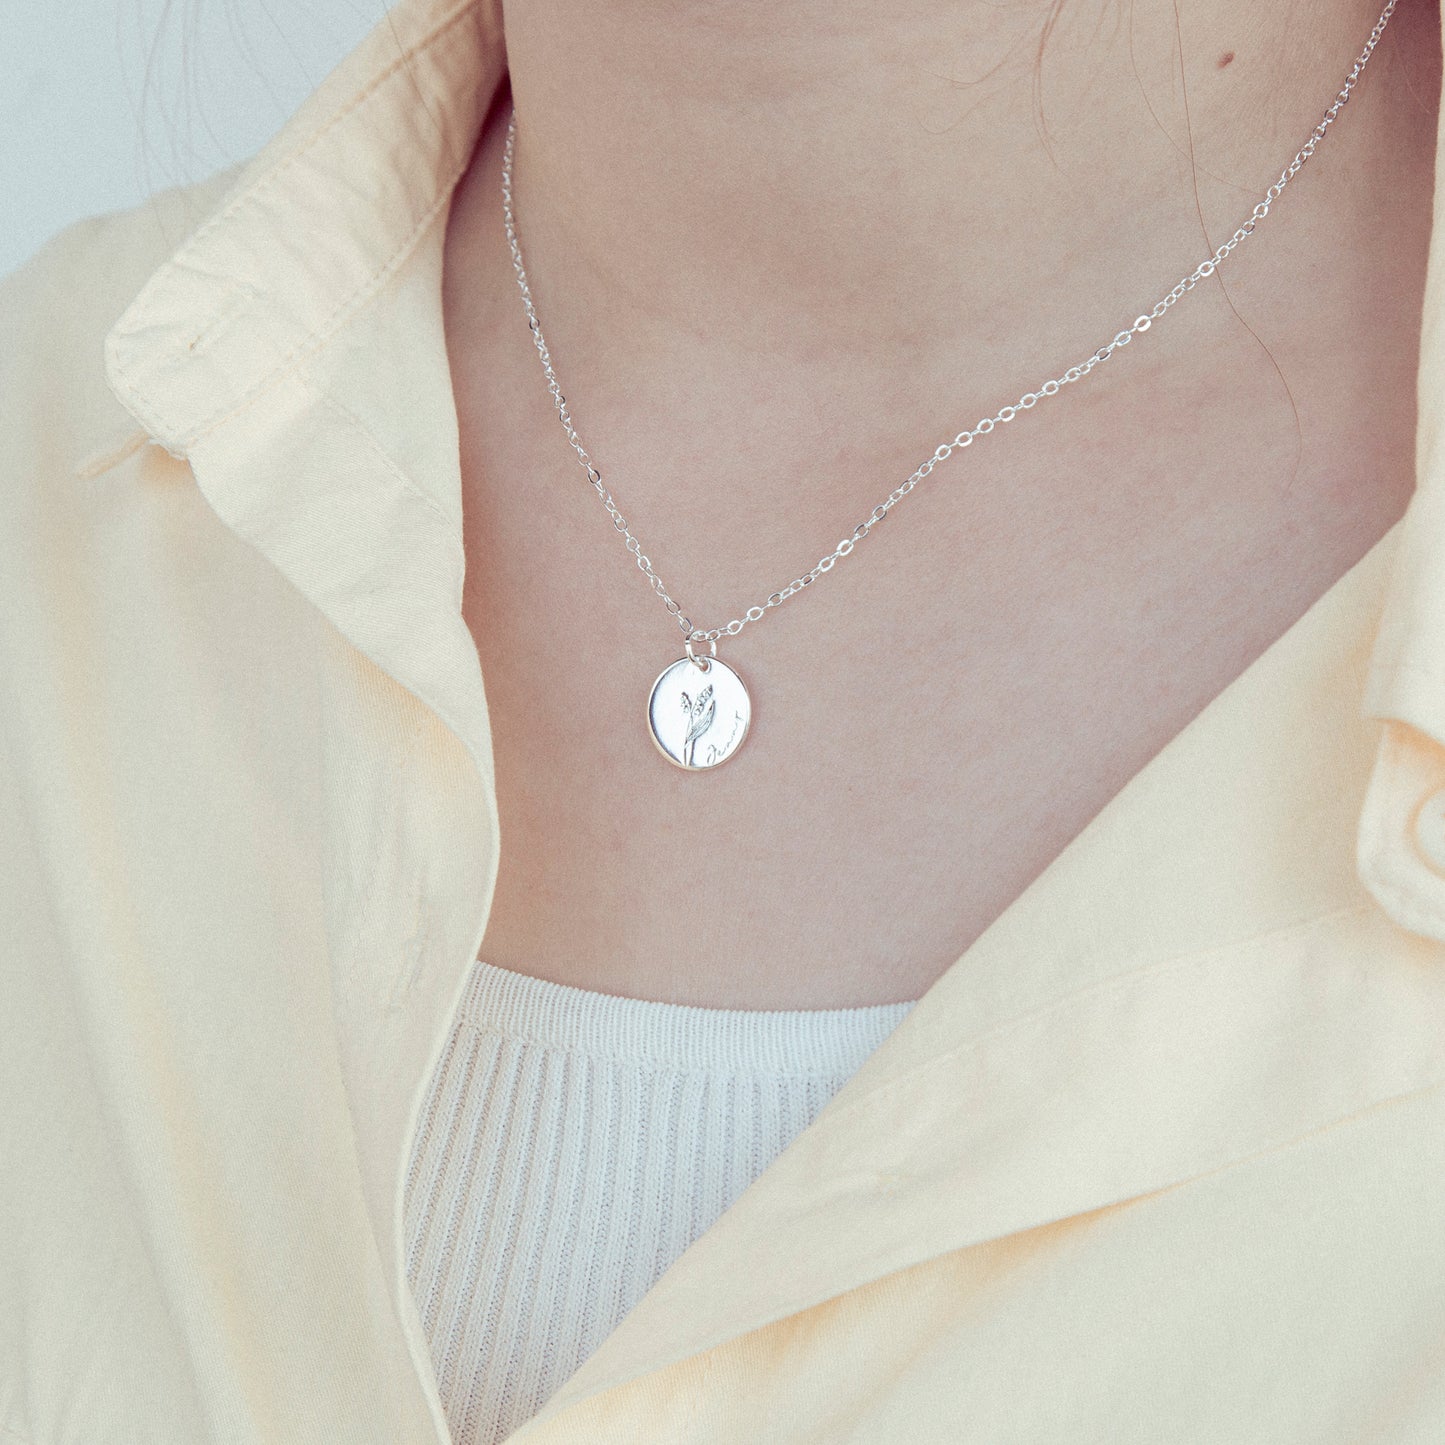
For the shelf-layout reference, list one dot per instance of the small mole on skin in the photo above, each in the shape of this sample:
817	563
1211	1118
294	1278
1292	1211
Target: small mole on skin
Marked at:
1226	58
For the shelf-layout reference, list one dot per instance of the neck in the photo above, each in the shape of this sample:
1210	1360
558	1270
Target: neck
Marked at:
783	254
855	178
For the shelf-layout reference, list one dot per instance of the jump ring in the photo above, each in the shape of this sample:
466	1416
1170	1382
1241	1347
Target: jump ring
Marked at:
701	663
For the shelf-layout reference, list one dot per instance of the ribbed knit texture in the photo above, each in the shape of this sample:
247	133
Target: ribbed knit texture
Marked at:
572	1145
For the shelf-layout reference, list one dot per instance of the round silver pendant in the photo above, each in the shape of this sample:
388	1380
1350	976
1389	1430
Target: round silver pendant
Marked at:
698	712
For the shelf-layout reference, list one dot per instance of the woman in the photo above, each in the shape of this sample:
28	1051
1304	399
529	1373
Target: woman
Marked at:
1022	1023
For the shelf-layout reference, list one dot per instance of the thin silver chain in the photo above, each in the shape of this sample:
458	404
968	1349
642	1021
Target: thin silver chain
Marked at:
964	438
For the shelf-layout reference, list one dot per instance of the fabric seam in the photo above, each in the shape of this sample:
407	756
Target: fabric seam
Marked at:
354	301
282	164
290	360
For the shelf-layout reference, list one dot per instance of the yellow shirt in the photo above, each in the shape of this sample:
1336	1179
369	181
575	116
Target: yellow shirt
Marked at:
1160	1158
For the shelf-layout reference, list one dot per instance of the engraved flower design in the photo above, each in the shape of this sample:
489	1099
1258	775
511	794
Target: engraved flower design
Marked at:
699	717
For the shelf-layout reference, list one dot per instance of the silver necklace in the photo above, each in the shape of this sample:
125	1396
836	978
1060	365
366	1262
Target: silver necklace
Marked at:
698	710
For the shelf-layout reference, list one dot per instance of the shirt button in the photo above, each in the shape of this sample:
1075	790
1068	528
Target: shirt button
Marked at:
1430	830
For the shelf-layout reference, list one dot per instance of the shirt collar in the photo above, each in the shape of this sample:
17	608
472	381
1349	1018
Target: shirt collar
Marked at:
314	226
1171	946
279	349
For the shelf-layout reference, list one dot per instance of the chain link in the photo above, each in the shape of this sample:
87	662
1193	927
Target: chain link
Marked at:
966	438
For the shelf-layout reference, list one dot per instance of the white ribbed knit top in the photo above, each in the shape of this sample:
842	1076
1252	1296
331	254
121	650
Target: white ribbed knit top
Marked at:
571	1146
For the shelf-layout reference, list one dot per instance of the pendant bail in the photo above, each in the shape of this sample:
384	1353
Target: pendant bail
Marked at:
701	663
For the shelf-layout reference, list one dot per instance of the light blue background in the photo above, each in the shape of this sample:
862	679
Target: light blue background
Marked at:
103	102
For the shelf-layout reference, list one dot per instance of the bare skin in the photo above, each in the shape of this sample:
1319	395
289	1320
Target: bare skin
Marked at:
777	265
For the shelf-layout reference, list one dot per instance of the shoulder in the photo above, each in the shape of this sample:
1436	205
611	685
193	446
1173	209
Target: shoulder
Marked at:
56	310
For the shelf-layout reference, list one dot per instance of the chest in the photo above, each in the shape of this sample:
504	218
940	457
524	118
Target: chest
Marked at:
933	721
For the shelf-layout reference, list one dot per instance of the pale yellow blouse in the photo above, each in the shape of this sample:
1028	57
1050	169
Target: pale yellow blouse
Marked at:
1160	1158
